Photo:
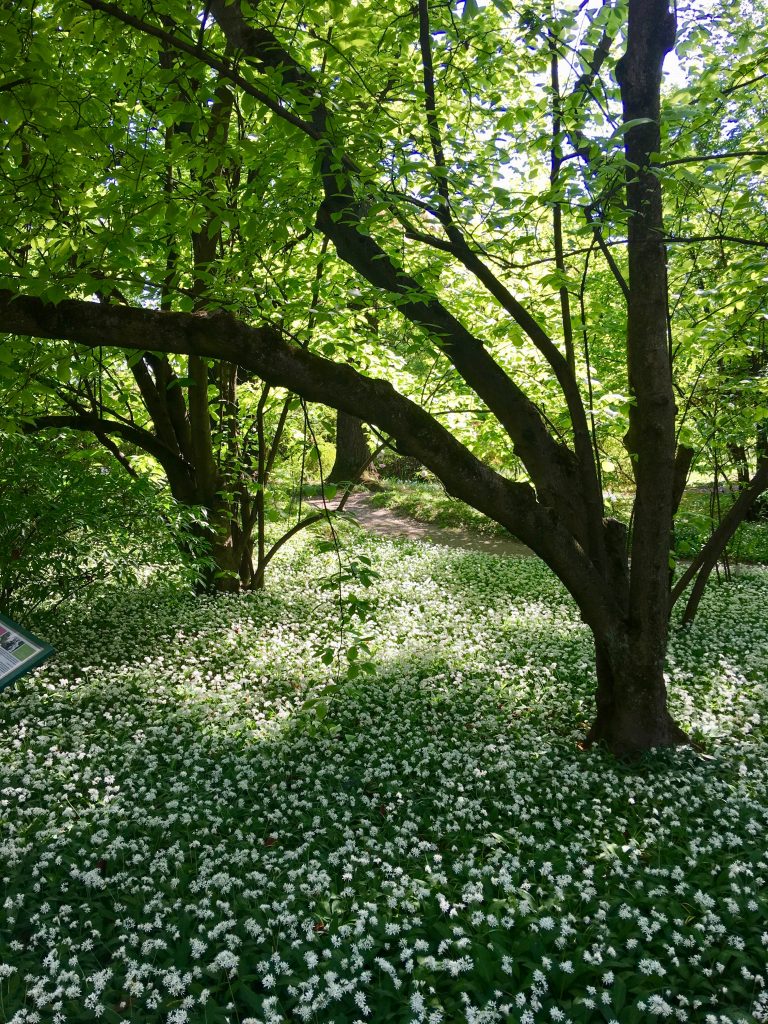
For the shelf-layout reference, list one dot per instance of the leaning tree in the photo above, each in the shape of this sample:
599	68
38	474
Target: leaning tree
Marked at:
404	133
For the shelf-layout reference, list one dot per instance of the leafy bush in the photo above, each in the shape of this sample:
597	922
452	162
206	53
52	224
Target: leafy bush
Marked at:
68	522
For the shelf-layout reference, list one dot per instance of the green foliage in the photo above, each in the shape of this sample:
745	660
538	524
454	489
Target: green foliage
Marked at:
100	189
69	523
348	655
696	521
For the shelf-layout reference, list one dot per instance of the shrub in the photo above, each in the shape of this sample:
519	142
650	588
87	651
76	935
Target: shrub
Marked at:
67	521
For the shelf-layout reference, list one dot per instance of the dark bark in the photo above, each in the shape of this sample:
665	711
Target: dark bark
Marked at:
632	712
682	467
352	451
228	542
738	454
179	473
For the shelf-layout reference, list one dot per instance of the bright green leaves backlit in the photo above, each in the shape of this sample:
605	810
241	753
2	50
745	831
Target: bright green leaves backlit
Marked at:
108	164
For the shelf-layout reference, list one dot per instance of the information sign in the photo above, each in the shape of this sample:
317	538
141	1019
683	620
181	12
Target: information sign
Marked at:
20	652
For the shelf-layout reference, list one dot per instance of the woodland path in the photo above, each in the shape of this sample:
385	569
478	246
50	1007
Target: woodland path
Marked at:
387	523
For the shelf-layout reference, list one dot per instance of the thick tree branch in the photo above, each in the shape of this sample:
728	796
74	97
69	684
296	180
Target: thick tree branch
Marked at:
550	464
154	396
7	86
262	349
683	462
168	383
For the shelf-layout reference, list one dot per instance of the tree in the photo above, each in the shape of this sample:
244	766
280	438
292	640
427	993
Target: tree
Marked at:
353	456
215	435
410	192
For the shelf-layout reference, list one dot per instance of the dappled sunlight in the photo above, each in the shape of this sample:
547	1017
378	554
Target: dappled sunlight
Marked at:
205	844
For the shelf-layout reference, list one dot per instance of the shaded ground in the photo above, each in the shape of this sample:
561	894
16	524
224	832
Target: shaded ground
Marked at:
392	524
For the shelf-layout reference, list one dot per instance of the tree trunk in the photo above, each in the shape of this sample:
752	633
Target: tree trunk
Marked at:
232	554
228	561
632	715
632	711
352	450
229	545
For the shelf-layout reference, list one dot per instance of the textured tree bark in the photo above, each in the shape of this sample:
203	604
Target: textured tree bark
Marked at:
632	711
352	452
632	715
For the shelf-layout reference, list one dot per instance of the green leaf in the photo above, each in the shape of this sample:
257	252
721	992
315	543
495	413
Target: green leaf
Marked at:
628	125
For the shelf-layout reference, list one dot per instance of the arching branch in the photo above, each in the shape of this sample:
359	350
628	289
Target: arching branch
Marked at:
262	349
97	425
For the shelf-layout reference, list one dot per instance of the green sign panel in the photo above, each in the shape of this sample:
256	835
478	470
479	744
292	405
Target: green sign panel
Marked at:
20	651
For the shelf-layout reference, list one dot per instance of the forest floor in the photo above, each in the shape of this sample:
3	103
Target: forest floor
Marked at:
359	795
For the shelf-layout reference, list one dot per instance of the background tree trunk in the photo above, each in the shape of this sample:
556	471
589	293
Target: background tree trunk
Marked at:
352	451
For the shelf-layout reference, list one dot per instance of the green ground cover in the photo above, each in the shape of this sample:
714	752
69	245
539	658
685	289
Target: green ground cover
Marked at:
429	502
186	836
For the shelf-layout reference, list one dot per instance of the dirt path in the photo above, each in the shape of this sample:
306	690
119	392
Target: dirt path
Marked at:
387	523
